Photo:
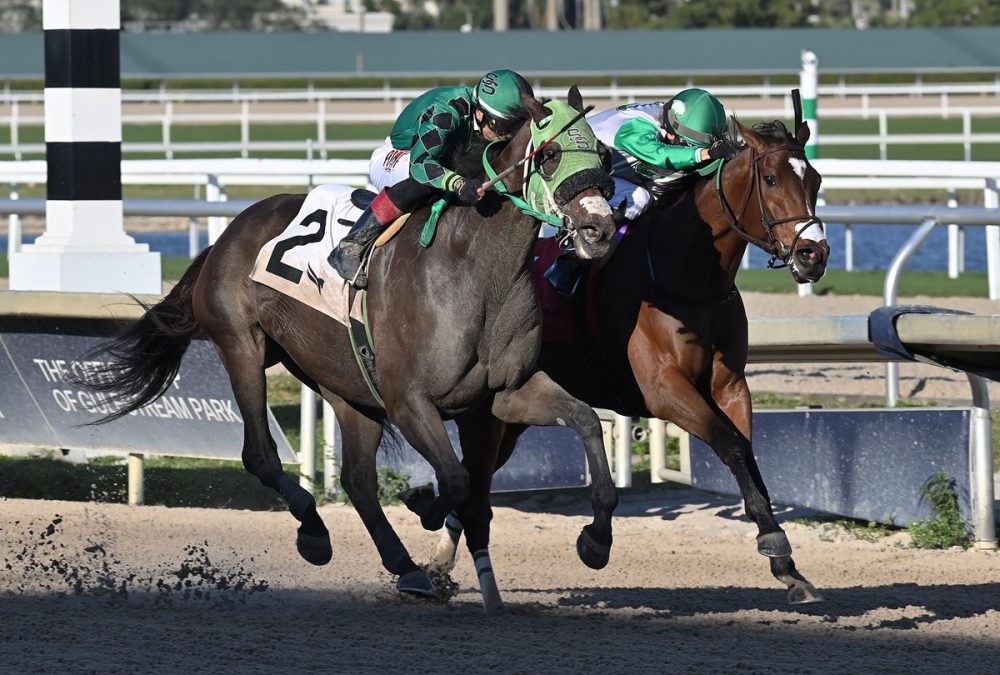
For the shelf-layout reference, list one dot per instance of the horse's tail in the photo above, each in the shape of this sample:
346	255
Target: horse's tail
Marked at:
139	365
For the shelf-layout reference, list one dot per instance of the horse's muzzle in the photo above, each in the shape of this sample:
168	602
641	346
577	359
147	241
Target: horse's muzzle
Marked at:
808	261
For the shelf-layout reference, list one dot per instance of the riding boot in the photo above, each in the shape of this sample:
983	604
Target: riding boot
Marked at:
565	275
346	257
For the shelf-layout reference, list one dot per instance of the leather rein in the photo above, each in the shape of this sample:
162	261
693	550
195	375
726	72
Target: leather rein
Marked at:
773	245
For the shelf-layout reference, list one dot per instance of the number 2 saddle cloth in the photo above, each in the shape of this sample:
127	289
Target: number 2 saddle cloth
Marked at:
294	263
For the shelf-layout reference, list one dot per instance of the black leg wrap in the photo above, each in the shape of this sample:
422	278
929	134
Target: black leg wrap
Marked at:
774	545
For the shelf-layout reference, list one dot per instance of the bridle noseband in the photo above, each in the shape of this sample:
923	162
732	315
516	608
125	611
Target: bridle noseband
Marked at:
773	245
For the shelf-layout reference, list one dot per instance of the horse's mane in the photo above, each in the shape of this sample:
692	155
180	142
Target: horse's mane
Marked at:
466	159
776	130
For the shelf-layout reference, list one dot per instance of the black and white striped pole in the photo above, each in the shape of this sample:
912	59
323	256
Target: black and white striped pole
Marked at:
84	247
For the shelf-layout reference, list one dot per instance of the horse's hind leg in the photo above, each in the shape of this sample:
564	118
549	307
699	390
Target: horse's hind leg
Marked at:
361	435
243	356
541	402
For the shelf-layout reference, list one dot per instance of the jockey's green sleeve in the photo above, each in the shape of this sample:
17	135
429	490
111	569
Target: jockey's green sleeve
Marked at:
429	127
638	138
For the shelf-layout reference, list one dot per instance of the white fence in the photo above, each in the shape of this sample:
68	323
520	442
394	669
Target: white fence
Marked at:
169	110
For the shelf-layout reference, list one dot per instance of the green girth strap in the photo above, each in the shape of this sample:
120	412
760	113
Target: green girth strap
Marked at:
525	207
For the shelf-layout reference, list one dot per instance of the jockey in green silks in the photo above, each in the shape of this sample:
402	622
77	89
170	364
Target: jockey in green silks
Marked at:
410	168
653	146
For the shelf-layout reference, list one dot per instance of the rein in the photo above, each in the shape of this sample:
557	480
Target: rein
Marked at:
526	208
773	245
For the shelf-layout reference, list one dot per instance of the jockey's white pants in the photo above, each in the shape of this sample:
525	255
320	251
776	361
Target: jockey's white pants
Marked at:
388	166
637	199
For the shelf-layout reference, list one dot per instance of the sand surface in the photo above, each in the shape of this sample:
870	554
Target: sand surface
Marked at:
112	588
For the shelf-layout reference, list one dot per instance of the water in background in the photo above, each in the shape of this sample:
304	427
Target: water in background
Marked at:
874	247
166	243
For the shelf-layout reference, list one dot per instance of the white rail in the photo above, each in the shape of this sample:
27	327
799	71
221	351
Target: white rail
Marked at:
252	109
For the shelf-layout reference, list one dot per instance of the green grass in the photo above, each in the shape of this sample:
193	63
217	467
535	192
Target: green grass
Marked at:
835	282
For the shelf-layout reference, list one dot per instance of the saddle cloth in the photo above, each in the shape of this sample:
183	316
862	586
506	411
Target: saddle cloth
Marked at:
294	262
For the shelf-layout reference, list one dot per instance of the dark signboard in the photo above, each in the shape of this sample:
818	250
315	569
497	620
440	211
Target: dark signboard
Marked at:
545	457
864	464
196	417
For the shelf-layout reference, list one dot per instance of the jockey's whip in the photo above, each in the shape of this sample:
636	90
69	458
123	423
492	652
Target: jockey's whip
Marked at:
506	172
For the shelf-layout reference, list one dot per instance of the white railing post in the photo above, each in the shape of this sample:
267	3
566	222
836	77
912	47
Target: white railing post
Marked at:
992	240
330	490
967	134
193	247
15	143
623	451
321	126
954	261
245	129
848	248
883	135
657	450
307	440
168	120
13	226
214	193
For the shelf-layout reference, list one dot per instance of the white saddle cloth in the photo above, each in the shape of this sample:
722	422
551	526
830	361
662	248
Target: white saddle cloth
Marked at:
294	263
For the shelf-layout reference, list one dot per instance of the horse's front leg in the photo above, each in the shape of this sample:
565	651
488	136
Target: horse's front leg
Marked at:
542	402
421	425
731	395
483	452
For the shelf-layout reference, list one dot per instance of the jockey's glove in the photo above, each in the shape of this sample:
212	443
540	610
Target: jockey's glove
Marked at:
465	189
722	149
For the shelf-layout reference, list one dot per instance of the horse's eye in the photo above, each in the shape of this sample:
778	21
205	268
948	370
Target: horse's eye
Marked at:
769	181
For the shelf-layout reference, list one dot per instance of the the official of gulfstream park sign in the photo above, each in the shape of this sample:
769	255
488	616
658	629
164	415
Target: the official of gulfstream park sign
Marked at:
41	406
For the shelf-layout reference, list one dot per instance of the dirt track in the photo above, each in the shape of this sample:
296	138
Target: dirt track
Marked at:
108	588
150	589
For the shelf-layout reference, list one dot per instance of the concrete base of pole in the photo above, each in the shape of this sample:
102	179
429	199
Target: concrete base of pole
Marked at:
85	271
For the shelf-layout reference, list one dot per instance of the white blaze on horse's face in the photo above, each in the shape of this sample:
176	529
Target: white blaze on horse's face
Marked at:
798	166
812	231
596	206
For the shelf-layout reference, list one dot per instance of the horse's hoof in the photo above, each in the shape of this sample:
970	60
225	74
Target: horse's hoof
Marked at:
774	545
416	583
314	548
594	554
418	499
802	593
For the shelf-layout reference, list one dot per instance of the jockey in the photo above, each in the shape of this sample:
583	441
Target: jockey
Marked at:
653	146
408	169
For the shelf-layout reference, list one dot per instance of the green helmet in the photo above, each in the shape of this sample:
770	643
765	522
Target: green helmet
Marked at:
498	94
696	116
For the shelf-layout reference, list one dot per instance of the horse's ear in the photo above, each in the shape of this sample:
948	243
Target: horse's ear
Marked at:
537	111
575	99
752	138
802	134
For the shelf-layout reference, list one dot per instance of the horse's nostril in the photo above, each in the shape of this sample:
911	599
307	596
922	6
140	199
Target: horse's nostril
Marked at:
590	234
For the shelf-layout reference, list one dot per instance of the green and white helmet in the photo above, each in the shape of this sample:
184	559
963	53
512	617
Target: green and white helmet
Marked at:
498	94
696	116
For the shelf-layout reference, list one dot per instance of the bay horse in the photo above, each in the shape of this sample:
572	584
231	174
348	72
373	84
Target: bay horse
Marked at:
671	326
457	332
